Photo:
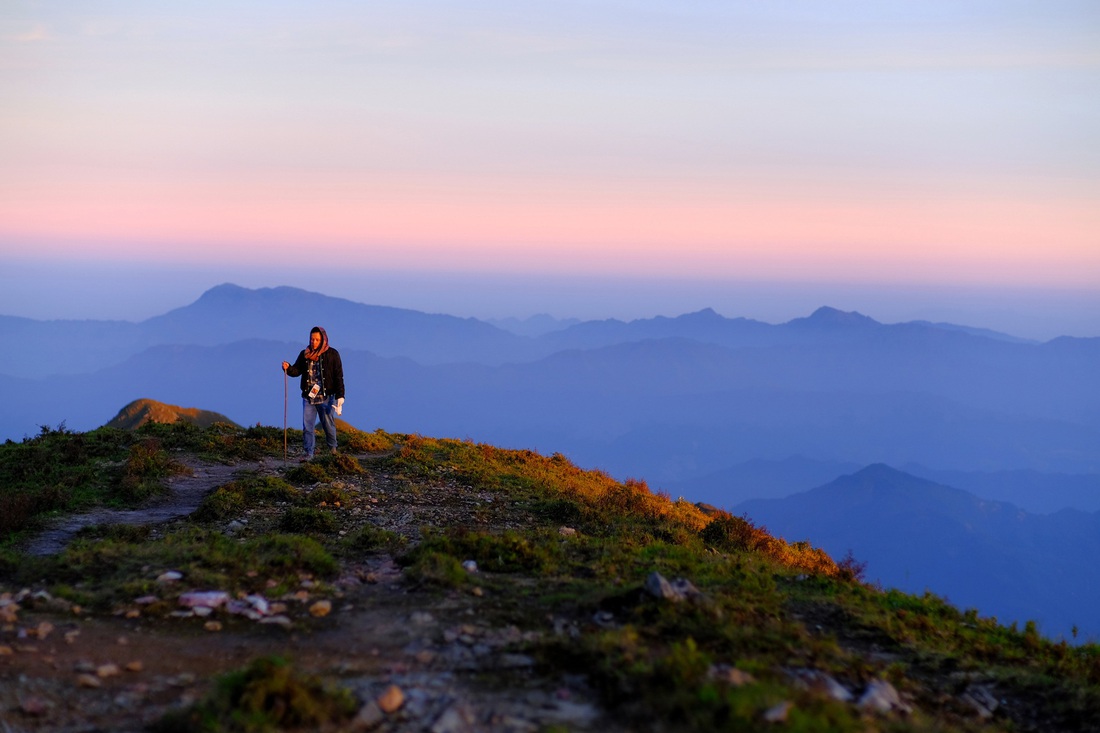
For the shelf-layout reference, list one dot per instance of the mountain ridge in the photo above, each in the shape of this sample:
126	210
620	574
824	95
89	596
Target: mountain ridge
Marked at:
230	312
915	534
144	410
423	581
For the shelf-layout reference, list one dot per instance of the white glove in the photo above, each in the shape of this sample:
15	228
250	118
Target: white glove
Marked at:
340	406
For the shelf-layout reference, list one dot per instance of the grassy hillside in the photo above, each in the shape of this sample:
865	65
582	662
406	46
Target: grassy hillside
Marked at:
665	616
140	412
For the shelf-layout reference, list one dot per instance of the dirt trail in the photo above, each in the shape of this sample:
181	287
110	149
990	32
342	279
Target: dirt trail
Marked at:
187	492
62	671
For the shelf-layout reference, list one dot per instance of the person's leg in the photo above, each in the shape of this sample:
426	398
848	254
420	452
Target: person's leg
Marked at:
327	414
309	424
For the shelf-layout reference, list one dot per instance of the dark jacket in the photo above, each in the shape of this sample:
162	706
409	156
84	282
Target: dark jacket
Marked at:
332	373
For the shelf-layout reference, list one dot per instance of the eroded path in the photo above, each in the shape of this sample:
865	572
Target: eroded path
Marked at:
187	492
457	660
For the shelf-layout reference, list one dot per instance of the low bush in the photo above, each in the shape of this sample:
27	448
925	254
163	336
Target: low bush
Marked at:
268	695
307	520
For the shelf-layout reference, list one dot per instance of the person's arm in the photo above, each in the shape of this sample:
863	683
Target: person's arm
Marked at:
295	369
337	387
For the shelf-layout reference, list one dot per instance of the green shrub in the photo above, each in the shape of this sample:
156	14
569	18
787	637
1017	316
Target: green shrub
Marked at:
372	539
730	533
268	695
435	568
307	520
329	495
356	441
231	499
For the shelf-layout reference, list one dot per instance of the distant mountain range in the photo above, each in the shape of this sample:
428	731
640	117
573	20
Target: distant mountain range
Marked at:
671	400
719	410
917	535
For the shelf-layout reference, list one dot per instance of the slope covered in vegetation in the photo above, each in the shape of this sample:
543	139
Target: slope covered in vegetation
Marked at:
492	589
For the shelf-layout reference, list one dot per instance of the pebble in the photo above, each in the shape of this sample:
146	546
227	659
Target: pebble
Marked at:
208	599
778	713
823	684
89	681
170	576
107	670
320	609
278	620
458	718
882	697
369	717
730	675
515	661
391	700
982	700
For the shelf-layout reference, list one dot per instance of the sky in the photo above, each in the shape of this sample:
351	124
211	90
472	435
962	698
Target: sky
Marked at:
589	158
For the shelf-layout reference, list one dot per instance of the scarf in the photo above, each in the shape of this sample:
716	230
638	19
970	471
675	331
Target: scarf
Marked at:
315	355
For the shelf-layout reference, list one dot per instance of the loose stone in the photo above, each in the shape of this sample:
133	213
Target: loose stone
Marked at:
778	713
89	681
391	699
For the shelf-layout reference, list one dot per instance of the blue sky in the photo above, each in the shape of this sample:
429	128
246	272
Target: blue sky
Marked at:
579	158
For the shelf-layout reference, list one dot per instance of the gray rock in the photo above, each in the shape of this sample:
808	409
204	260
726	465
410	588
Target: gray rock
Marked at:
369	717
778	713
982	700
881	697
822	684
676	590
458	718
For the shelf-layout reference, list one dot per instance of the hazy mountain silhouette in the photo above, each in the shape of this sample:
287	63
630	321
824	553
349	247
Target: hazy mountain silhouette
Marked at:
759	478
709	407
228	313
536	325
662	398
1033	491
918	535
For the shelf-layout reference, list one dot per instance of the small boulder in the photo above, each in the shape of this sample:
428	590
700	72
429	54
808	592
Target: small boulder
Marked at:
676	590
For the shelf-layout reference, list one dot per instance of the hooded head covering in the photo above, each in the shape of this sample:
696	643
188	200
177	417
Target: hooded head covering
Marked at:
315	355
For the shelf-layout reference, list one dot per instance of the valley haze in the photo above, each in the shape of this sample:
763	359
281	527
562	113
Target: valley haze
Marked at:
726	411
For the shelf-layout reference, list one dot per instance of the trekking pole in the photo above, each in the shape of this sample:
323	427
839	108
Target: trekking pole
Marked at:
284	418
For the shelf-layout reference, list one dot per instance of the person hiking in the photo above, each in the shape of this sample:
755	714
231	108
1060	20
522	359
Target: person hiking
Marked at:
322	375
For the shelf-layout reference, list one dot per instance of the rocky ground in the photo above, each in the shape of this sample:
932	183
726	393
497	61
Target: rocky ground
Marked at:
416	658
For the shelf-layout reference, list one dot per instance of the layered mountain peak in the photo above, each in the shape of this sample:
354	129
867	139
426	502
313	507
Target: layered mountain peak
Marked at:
832	317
